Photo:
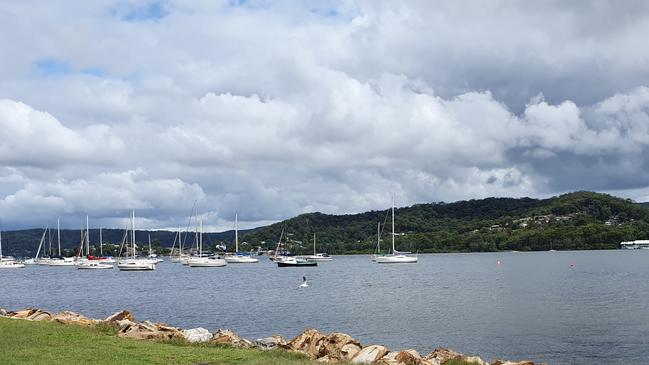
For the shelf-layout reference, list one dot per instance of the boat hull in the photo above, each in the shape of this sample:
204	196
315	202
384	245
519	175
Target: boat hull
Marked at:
94	266
396	260
241	260
202	262
135	266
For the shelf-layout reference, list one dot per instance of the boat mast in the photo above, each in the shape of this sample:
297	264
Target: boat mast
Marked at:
200	239
87	236
0	244
393	225
133	232
236	233
378	238
58	233
313	243
101	244
40	245
149	244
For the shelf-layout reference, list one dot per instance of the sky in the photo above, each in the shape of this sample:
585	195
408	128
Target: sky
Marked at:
270	109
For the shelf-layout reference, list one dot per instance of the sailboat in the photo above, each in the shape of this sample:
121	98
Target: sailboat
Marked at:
7	262
133	263
60	260
320	257
204	261
36	260
290	261
396	257
152	256
237	257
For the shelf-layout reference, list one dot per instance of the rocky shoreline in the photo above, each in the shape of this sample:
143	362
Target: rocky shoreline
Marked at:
327	348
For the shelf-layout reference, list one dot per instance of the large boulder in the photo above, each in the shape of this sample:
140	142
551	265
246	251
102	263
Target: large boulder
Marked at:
270	343
195	335
338	347
40	315
443	355
405	357
67	317
477	360
307	342
151	331
119	316
227	337
369	354
23	314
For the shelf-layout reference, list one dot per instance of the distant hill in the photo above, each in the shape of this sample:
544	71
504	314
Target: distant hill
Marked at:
575	221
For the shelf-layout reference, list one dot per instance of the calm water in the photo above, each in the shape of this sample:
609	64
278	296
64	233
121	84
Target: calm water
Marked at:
556	307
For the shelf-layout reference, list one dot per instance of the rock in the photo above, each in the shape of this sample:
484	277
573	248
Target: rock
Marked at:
23	314
197	335
150	331
443	355
40	315
270	343
502	362
121	315
3	312
369	354
67	317
405	357
124	324
307	342
227	337
477	360
338	347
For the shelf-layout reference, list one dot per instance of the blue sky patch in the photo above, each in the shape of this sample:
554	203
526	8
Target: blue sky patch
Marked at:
153	10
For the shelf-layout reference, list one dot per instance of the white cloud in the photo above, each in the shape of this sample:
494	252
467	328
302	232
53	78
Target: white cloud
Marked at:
271	110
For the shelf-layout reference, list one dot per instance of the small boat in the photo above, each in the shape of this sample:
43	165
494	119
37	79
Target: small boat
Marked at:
93	265
396	257
204	261
237	257
320	257
295	262
62	261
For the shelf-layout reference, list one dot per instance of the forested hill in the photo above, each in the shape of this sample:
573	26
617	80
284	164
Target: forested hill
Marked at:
580	220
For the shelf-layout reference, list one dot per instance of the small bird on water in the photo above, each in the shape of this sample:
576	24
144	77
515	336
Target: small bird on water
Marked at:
304	283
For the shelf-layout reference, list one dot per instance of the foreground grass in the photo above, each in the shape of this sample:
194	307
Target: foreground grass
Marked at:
26	342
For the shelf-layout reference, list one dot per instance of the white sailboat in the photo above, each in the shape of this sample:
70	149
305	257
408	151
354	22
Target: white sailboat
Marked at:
8	262
237	257
60	260
133	263
152	256
395	257
320	257
204	261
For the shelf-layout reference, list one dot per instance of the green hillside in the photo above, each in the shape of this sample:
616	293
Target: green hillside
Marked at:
581	220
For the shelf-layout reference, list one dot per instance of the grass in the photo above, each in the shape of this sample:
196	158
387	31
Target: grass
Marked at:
27	342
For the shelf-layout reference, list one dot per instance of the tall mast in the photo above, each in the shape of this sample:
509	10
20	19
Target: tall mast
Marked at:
313	243
133	232
236	233
101	244
149	244
0	244
58	233
87	236
378	238
393	224
200	238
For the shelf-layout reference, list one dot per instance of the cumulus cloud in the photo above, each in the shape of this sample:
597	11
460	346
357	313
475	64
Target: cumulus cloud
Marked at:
275	109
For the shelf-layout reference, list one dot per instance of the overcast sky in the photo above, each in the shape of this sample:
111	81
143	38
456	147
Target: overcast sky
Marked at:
276	108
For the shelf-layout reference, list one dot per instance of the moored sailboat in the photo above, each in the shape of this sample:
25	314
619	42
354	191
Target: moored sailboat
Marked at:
320	257
238	257
396	257
204	261
7	262
134	263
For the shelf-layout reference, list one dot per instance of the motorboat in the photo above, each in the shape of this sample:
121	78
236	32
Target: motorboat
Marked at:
293	261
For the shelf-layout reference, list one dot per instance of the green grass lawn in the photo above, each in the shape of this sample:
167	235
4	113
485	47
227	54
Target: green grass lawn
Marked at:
27	342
